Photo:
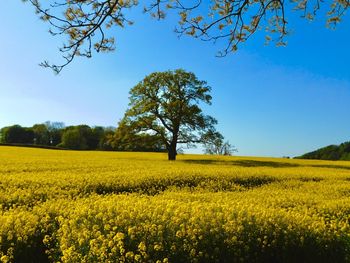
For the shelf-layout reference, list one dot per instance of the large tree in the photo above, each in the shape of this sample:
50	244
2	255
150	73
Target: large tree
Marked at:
167	104
84	22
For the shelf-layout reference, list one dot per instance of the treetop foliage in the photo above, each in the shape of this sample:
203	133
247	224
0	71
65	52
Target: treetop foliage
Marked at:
167	104
84	23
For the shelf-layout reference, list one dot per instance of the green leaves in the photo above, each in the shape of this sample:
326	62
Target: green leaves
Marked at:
167	104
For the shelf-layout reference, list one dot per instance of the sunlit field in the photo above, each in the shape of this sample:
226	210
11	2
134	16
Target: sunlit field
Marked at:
71	206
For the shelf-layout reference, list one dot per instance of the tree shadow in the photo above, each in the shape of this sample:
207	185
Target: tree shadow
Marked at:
244	163
255	163
331	166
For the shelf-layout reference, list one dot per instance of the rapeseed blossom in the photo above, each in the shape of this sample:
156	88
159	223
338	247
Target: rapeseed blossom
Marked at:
66	206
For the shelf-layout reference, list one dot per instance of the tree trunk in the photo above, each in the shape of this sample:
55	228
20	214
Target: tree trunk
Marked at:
172	152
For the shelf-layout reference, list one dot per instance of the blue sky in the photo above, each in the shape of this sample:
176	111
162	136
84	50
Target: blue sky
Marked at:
269	101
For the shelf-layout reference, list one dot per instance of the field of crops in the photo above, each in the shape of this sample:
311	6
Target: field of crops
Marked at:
66	206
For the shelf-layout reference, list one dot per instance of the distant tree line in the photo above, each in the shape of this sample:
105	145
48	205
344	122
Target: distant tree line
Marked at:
48	133
331	152
79	137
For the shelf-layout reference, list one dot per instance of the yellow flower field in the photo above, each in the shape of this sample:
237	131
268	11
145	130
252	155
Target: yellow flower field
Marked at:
70	206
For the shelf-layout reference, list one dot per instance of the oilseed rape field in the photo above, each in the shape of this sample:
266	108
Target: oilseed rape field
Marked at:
71	206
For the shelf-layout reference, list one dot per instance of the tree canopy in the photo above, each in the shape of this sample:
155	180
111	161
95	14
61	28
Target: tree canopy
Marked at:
85	22
166	104
17	134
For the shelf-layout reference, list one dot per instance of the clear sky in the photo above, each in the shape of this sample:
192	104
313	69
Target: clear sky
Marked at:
269	101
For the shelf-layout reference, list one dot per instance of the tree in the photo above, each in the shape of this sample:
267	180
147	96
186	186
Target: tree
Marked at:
41	134
104	143
97	137
55	131
74	138
83	137
84	22
17	134
214	144
166	104
97	133
127	138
